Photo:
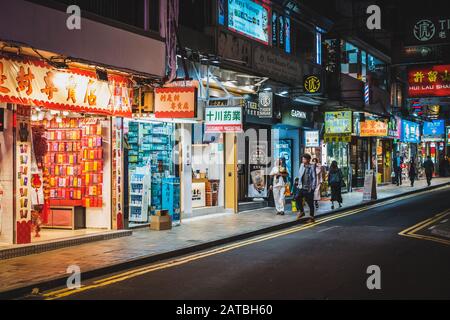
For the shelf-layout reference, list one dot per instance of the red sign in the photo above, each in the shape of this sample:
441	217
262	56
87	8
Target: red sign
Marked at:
429	81
175	102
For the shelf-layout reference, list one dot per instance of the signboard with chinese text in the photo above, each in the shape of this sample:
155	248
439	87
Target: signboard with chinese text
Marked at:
338	122
265	104
373	128
429	81
434	128
32	82
175	102
312	84
223	119
410	132
312	139
394	127
427	31
249	18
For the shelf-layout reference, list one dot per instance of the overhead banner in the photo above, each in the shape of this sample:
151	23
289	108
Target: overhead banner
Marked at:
338	122
33	82
373	128
429	81
175	102
223	119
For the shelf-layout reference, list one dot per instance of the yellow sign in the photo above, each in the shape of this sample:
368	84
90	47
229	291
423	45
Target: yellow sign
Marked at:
373	128
312	84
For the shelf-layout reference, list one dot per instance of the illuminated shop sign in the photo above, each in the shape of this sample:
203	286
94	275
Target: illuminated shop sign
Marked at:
373	128
312	139
249	18
338	122
312	84
176	102
410	132
32	82
226	119
429	82
434	128
447	134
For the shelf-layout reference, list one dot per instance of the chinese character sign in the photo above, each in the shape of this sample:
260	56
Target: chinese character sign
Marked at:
338	122
434	128
35	83
410	132
429	82
373	128
175	102
226	119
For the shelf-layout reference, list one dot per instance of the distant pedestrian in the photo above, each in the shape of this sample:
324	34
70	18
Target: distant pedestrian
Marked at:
398	162
279	174
319	181
446	167
307	185
412	172
335	180
428	165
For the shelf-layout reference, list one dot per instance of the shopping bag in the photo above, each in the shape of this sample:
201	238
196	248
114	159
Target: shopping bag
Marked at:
294	206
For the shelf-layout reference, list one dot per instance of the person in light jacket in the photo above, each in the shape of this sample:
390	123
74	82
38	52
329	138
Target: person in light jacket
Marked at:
279	174
307	184
319	181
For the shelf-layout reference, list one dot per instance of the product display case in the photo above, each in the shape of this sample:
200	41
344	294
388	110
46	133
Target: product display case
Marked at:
150	146
139	195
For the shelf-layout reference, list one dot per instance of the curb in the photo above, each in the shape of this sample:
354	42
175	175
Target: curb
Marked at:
17	292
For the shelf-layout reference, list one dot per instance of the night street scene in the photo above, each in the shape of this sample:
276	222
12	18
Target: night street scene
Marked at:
219	158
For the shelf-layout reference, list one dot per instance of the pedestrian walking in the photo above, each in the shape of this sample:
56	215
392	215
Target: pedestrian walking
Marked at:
335	180
319	181
428	165
398	162
279	174
307	186
412	172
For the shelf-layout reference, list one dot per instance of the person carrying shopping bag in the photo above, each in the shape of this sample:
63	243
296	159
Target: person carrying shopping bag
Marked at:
307	185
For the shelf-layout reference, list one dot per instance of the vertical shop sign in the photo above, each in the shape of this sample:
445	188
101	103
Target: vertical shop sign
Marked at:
283	149
23	175
258	157
447	134
265	105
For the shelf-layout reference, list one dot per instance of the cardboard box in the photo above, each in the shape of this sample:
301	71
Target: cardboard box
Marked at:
161	222
162	213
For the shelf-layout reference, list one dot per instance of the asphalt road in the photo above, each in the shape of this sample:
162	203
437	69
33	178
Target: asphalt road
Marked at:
325	261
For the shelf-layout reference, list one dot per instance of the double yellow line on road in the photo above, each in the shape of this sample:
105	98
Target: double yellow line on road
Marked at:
186	259
412	231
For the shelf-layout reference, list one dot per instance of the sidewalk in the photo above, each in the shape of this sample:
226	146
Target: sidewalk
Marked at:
33	269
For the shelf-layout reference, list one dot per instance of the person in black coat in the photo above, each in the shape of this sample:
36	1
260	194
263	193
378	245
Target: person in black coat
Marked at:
412	172
428	165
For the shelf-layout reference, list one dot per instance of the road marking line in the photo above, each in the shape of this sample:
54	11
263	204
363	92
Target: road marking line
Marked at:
412	231
326	229
61	293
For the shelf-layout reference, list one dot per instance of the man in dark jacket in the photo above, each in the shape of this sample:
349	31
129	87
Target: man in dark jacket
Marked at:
428	165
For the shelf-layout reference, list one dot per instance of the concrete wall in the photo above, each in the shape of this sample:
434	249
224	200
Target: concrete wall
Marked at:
45	28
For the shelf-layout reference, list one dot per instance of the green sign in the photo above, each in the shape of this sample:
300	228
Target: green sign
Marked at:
338	122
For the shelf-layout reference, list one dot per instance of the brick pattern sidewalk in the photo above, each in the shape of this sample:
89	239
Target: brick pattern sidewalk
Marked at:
26	270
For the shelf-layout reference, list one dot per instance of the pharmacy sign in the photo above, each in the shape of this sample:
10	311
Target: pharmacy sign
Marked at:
223	119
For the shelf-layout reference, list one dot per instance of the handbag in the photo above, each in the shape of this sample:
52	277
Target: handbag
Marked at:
294	206
287	190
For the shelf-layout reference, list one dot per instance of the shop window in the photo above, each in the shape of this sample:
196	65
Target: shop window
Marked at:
350	60
153	176
305	42
377	70
131	12
195	14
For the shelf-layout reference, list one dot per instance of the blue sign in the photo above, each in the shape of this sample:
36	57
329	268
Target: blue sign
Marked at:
434	128
410	132
249	18
283	149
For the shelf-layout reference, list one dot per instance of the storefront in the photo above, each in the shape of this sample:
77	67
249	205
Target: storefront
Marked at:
408	146
59	129
433	142
337	138
287	136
